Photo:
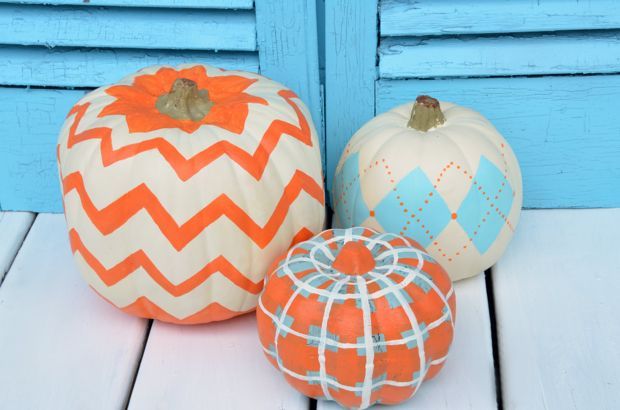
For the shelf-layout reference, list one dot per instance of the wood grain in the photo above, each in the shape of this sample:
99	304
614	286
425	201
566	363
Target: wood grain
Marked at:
13	229
467	380
211	4
61	346
288	51
214	366
557	310
564	130
432	17
350	73
588	52
31	120
86	67
128	27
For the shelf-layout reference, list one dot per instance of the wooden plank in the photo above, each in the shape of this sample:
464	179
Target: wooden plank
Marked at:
288	50
216	366
350	73
468	379
31	121
557	311
13	229
77	67
591	52
206	4
61	346
564	130
128	27
431	17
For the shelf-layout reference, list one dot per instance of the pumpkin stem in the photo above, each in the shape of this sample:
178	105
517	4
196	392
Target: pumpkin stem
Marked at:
185	101
425	114
354	258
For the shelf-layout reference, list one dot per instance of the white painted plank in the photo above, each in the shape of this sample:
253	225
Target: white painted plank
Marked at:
61	346
557	304
215	366
468	379
13	229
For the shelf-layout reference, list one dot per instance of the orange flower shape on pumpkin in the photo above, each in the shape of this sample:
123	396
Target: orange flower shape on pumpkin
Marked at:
137	101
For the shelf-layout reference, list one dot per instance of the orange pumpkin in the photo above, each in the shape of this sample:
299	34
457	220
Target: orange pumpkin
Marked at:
357	317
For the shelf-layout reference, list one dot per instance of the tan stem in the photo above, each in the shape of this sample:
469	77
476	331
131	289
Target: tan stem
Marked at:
426	114
185	101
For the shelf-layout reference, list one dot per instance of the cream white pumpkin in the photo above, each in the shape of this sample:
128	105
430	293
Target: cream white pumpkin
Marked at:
438	173
181	185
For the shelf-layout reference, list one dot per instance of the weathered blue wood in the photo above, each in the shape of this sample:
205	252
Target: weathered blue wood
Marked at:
565	131
288	50
31	121
350	72
433	17
590	52
128	27
76	67
210	4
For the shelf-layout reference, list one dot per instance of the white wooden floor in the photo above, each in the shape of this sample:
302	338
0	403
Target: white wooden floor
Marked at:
551	317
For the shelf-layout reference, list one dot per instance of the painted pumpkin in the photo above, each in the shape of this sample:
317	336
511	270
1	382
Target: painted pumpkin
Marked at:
357	317
181	185
438	173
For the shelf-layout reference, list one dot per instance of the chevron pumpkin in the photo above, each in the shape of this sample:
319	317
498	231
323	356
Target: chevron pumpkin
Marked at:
438	173
181	185
356	316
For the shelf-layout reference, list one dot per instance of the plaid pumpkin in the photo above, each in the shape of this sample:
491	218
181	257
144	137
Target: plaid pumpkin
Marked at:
356	316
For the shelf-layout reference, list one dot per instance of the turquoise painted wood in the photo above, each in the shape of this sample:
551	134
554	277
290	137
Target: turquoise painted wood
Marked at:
565	131
31	120
350	72
127	27
80	67
288	50
544	71
212	4
438	17
588	52
66	46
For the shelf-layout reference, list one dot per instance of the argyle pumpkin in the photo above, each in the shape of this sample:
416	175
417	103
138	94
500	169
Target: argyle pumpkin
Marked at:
356	316
181	185
438	173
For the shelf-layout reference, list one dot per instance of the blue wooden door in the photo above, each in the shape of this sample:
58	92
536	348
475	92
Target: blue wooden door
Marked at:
545	72
51	55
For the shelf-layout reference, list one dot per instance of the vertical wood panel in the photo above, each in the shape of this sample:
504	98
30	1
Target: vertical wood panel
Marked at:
61	346
288	50
350	71
556	293
218	366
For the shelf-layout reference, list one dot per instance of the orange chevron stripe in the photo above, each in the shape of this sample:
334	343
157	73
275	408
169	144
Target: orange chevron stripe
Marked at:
114	215
140	259
303	235
185	168
143	307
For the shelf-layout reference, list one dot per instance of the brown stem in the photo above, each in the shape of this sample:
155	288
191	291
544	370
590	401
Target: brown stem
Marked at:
185	101
425	114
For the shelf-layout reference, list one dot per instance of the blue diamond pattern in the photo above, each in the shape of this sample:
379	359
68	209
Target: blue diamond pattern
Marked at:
413	190
352	209
475	206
